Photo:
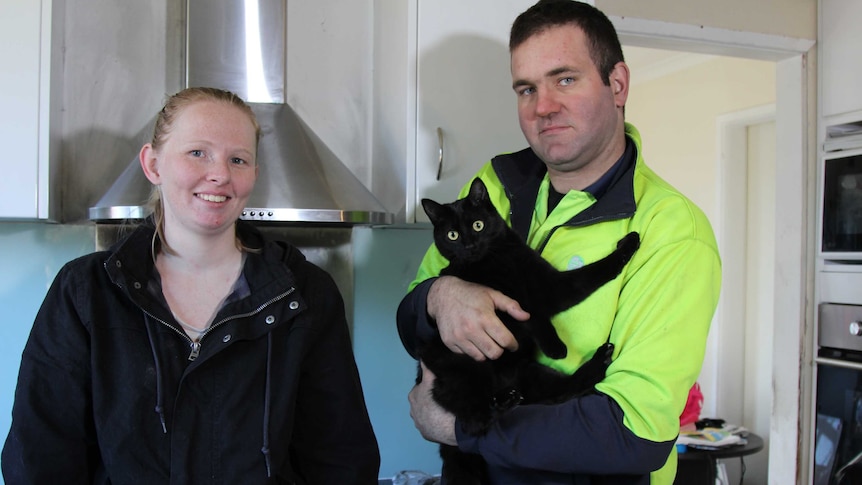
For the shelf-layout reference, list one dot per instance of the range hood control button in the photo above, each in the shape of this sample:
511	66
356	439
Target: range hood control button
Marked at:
856	328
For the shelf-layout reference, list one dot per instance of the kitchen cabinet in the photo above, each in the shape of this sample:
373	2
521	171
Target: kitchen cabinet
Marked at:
840	61
26	35
444	73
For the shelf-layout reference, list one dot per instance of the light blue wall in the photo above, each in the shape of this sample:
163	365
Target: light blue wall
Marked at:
30	256
385	262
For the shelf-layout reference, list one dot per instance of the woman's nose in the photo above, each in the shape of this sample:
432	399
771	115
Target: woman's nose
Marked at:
219	171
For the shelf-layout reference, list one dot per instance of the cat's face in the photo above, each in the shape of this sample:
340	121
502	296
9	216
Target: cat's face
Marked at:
464	230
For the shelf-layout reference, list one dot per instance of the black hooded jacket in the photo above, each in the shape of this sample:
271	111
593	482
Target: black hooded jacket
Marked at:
112	391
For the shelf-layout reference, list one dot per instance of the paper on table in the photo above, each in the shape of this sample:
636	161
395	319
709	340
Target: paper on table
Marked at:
710	438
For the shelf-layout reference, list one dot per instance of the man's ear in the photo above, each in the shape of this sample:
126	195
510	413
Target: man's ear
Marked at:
150	164
619	80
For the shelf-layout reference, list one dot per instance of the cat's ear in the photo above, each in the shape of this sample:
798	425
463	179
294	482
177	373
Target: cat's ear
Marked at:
478	191
433	209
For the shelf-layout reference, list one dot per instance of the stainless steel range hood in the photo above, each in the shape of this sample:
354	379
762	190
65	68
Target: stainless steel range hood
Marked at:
240	46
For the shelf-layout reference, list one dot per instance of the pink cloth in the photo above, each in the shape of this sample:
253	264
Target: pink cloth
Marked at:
693	405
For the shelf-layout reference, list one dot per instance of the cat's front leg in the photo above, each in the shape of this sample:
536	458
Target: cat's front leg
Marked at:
628	245
542	331
594	370
541	384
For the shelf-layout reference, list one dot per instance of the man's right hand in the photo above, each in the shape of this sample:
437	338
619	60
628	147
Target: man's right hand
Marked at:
466	317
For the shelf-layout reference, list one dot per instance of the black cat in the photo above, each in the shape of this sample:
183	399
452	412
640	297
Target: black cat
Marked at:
482	248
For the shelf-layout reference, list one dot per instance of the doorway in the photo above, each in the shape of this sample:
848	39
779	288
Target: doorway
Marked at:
787	457
711	163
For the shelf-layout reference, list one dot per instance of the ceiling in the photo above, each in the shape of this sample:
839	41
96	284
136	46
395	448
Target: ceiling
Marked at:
647	64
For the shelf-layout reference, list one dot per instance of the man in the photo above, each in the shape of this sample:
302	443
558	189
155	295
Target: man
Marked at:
580	187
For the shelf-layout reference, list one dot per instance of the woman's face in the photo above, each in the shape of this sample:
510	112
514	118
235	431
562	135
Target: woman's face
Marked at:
206	167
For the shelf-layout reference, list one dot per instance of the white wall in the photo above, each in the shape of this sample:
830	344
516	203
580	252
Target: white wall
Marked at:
677	115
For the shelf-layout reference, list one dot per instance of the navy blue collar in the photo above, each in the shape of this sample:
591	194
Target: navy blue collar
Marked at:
600	186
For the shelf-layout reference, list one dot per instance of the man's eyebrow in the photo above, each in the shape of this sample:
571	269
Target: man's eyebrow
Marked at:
560	70
519	83
553	72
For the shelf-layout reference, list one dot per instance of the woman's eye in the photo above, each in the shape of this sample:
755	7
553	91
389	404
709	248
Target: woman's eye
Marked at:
478	226
452	235
197	153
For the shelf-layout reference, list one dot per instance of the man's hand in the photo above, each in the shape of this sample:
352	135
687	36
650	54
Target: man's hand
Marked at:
466	317
433	422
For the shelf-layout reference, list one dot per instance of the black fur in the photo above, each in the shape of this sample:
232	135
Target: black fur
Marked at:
482	248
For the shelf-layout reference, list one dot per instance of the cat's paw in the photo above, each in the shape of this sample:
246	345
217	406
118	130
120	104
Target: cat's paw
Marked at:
629	244
554	348
605	353
505	399
592	371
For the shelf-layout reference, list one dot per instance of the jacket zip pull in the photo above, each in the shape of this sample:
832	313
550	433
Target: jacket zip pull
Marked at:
196	350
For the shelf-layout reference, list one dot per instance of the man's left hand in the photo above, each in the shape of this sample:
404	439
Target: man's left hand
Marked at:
433	422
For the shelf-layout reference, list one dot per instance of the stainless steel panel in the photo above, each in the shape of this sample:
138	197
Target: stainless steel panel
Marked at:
840	327
238	46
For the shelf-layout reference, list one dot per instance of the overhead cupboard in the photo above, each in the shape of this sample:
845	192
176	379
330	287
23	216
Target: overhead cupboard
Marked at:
442	73
29	189
840	80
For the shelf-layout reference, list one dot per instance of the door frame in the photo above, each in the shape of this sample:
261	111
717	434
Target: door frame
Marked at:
789	434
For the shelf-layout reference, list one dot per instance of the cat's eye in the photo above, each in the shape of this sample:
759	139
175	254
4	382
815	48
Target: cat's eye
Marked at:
478	226
452	235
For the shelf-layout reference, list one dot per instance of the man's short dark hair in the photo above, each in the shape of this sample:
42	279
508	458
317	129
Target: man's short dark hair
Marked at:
604	44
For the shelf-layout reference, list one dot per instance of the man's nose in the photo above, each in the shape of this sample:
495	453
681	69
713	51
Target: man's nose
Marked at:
546	103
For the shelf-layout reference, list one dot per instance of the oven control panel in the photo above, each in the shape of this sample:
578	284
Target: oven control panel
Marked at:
839	331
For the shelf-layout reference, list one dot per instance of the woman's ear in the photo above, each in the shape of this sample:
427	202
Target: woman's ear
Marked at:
150	164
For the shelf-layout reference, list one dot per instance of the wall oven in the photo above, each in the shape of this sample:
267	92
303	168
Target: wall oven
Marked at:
841	217
838	400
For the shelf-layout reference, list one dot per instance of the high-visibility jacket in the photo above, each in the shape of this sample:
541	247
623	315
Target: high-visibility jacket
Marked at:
657	313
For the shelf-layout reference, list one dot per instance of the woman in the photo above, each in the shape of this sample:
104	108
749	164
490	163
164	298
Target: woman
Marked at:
193	351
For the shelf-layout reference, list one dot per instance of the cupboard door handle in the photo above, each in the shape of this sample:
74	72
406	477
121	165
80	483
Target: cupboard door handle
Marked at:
439	152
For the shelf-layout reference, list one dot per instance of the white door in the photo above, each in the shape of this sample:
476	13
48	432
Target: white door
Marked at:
747	240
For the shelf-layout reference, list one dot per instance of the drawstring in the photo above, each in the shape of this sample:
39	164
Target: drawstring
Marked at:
159	408
266	405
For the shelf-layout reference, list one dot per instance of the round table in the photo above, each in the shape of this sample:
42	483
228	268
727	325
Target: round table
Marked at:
699	466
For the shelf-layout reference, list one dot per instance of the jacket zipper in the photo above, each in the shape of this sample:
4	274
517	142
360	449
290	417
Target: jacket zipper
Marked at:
195	345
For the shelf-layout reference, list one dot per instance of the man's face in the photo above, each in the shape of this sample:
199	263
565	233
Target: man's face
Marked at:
568	115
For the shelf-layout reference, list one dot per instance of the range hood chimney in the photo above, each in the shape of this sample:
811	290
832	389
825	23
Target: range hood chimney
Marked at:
239	45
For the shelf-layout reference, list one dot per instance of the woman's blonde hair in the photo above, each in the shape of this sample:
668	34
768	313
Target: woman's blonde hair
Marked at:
162	129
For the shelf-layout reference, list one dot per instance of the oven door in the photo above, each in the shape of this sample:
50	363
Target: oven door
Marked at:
838	427
842	206
838	432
